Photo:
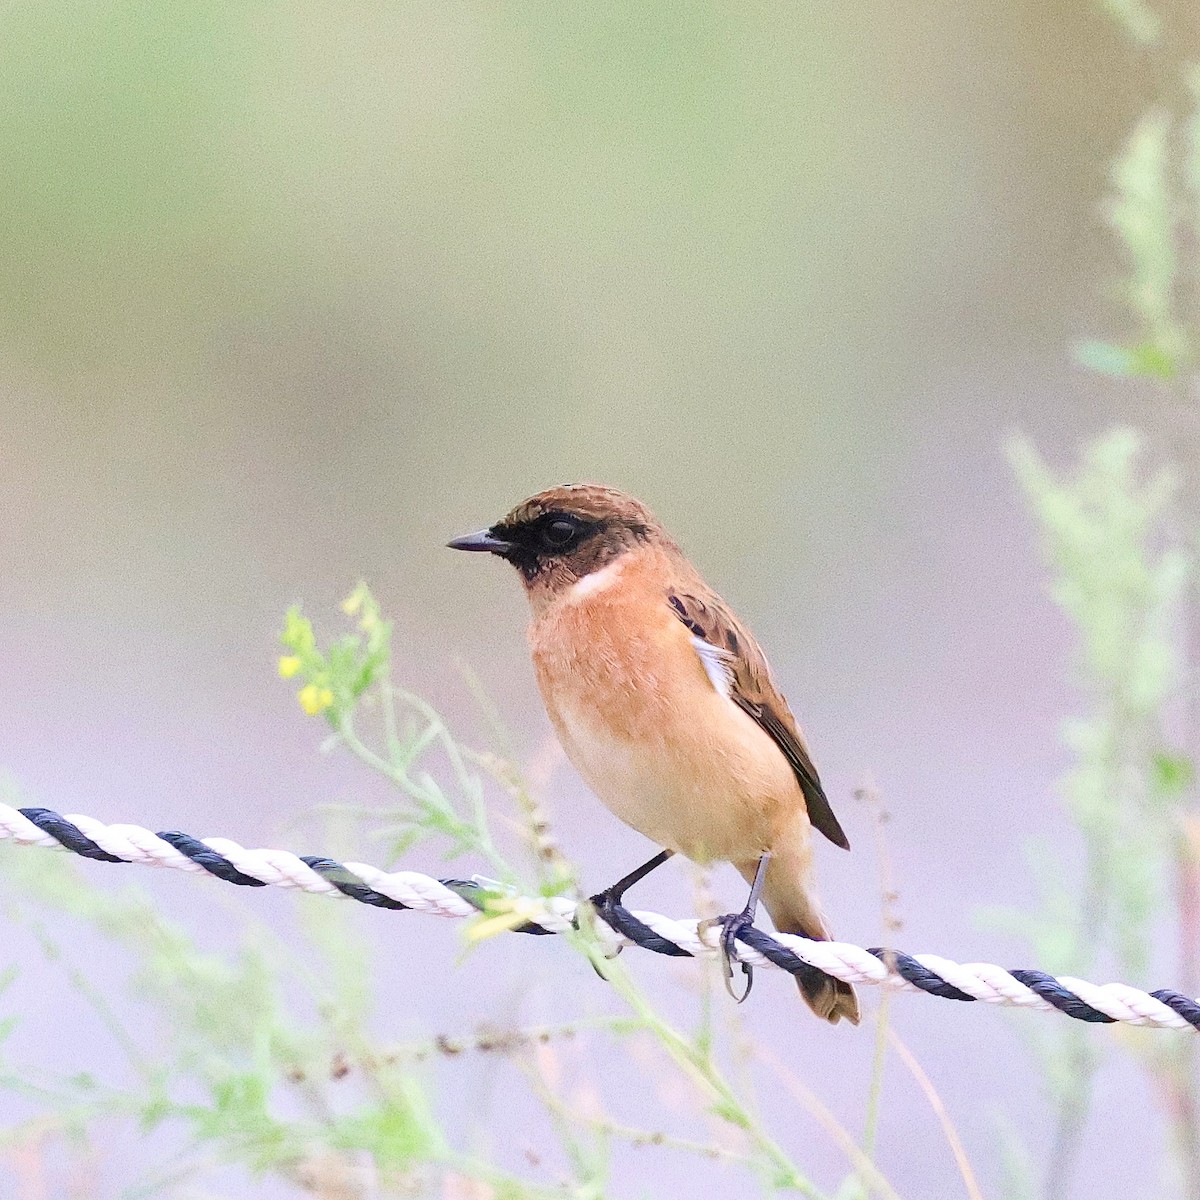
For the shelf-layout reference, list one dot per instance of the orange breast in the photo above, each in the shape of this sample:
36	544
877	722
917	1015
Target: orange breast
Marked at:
643	724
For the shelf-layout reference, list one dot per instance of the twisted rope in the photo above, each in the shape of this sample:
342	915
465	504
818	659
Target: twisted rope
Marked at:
617	925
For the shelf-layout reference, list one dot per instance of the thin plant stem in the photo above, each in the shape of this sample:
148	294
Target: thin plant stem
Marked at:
890	920
699	1066
869	1174
949	1131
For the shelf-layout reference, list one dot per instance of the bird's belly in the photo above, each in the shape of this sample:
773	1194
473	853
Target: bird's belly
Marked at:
681	764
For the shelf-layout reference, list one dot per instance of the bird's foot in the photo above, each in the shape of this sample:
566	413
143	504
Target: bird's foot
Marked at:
731	925
604	902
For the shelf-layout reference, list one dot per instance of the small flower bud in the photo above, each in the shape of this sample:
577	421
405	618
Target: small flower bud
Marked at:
314	700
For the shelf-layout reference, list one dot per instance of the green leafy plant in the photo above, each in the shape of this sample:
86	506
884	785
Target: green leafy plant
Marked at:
1121	580
1121	535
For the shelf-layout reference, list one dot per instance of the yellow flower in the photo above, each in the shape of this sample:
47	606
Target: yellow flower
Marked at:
353	602
289	664
314	700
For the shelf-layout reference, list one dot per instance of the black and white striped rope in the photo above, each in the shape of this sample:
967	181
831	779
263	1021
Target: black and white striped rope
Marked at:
618	926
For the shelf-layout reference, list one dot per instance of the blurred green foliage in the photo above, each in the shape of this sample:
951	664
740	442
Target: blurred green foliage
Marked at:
1121	577
1139	20
1146	216
1121	536
212	1044
1122	574
1102	530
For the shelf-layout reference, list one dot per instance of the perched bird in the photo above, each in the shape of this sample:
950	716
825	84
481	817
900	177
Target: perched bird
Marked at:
665	705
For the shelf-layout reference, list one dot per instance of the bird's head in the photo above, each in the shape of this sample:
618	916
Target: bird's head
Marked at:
559	536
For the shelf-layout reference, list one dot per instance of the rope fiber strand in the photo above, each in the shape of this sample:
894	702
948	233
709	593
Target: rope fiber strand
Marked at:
618	926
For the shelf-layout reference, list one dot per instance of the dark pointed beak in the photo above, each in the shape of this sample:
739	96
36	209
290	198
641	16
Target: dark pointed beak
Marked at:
484	542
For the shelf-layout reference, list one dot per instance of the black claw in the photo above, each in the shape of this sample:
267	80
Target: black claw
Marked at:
731	925
599	973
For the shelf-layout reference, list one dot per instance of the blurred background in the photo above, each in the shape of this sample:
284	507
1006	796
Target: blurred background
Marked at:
291	294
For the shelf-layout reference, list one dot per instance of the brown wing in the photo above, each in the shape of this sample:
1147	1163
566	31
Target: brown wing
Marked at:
705	614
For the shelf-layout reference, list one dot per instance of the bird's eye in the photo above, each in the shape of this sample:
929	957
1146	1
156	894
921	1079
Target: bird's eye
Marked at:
558	535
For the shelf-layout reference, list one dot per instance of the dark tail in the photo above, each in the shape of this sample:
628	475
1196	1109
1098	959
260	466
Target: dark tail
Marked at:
793	910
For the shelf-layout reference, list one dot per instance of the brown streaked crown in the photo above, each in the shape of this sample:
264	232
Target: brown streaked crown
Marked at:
588	501
562	534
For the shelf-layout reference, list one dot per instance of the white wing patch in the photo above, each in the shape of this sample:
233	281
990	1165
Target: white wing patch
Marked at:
717	664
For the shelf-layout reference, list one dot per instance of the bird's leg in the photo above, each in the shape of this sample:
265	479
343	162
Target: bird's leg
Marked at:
604	902
612	895
733	924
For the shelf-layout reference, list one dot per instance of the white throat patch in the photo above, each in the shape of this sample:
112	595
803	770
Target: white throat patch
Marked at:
596	582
